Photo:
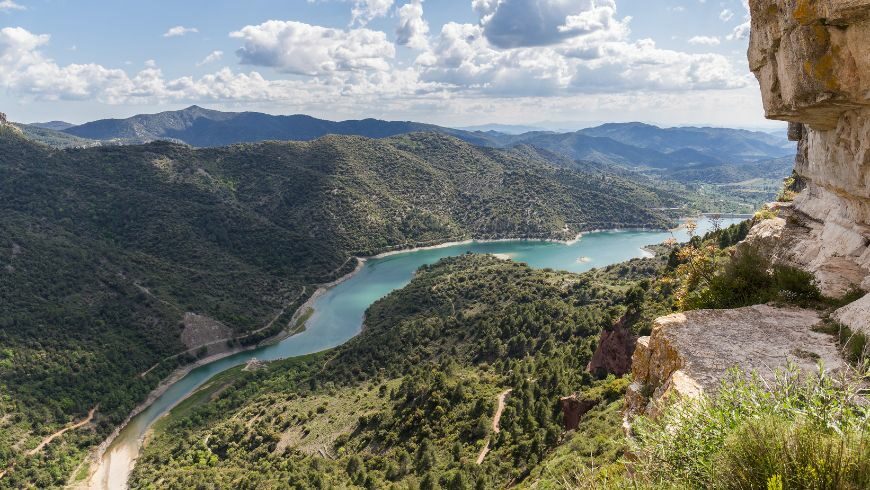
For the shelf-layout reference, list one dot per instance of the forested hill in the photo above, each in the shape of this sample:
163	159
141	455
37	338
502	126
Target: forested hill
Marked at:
411	402
103	251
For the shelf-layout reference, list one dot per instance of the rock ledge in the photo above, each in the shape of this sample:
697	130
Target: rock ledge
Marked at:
689	353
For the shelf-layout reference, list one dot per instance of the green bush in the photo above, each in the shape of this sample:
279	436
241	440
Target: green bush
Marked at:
800	432
749	279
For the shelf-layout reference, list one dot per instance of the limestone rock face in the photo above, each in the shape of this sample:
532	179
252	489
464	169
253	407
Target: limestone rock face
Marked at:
811	58
689	353
812	61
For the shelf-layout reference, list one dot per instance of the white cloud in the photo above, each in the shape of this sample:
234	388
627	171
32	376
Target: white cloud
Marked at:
353	69
7	5
705	40
26	72
741	31
413	28
525	23
603	60
212	57
726	15
364	11
304	49
178	31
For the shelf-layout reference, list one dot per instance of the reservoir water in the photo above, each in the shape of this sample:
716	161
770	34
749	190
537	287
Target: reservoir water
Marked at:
338	315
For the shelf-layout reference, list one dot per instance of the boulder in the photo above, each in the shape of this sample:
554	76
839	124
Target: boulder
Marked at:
856	316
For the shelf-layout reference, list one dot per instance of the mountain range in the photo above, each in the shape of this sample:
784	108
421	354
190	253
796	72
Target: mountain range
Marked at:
634	145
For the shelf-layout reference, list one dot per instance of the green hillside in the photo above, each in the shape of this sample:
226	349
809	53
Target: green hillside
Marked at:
105	249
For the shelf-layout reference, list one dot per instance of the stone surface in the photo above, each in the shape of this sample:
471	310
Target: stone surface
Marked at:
689	353
765	236
855	315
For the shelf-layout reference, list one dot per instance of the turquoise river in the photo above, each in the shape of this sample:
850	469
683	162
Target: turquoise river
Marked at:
338	315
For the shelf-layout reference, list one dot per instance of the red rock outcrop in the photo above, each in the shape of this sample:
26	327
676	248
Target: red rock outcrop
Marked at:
573	409
613	354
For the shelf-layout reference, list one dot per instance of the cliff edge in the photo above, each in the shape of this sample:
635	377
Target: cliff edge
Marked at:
812	62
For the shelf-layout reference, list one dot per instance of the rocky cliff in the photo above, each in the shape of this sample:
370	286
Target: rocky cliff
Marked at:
812	62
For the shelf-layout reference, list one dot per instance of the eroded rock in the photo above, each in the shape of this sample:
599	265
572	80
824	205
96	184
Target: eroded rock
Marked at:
614	351
573	409
811	58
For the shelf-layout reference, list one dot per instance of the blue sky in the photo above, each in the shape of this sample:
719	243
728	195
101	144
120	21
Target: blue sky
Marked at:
452	62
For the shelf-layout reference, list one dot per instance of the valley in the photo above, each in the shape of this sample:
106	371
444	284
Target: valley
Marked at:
338	315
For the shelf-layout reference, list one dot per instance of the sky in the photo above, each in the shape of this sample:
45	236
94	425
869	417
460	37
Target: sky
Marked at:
449	62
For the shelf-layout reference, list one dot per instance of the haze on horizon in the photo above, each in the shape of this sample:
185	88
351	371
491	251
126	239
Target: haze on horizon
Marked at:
460	63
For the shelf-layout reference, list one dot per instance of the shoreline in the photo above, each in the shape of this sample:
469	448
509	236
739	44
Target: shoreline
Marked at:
180	372
523	239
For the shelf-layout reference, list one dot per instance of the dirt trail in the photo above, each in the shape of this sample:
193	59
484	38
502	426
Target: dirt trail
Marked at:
61	432
54	436
495	424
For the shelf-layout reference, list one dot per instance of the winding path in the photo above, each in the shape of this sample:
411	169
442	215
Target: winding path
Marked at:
495	424
47	440
61	432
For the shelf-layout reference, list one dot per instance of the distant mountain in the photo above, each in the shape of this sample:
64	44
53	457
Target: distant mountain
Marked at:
501	128
53	125
208	128
579	146
718	143
774	169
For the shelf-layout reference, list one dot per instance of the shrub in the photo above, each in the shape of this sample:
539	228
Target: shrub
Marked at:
749	279
799	432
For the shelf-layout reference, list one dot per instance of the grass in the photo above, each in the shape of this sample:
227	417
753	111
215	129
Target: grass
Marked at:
596	447
749	278
82	472
794	431
311	424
